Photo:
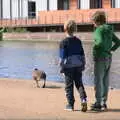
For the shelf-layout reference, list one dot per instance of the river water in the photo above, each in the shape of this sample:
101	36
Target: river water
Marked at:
19	58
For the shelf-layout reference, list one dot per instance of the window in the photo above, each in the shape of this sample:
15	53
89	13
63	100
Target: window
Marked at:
113	3
78	4
48	5
63	4
99	3
95	4
31	9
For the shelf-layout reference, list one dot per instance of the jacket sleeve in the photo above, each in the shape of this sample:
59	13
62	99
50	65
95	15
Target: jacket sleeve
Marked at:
62	55
82	50
98	38
116	41
62	50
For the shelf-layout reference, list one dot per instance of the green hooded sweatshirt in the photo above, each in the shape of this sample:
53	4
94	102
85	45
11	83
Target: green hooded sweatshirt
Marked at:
105	41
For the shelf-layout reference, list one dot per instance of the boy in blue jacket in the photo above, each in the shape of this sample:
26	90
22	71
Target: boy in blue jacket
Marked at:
72	64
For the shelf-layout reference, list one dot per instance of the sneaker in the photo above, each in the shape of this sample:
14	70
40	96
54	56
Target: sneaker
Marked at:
104	107
69	108
84	106
96	107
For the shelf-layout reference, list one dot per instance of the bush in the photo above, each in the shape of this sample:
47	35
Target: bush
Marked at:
19	30
9	30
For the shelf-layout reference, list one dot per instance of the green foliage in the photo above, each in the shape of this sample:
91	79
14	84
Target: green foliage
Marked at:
19	30
9	30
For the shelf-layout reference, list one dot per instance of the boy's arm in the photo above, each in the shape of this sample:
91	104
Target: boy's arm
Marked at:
82	50
61	55
61	50
116	41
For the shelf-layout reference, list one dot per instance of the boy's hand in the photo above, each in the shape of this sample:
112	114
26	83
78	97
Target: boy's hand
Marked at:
112	52
63	74
61	70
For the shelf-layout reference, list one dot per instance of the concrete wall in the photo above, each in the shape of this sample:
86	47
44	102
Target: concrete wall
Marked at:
6	9
53	4
85	4
73	4
41	5
106	3
117	3
25	9
17	11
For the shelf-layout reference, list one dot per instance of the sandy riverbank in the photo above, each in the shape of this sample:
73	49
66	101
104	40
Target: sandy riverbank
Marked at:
19	99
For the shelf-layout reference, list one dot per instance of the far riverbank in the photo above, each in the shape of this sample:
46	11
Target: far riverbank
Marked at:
48	36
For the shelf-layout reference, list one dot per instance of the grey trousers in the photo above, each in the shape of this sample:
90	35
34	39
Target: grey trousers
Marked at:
101	80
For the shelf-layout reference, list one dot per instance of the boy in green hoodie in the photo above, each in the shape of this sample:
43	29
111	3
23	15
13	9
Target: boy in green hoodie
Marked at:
105	42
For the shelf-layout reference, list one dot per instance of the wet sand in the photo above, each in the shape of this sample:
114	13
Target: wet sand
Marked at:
20	99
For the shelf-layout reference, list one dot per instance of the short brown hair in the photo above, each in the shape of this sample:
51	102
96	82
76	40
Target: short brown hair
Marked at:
70	26
99	17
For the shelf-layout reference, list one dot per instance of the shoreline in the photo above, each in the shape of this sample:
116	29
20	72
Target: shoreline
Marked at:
44	36
47	36
41	41
19	99
52	82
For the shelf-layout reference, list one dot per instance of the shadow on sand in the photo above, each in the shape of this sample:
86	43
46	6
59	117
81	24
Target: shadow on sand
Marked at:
114	110
109	110
53	87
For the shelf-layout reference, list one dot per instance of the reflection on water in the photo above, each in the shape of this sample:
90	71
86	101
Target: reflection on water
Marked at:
18	59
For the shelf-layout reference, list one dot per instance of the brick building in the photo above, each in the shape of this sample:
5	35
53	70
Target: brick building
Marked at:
51	14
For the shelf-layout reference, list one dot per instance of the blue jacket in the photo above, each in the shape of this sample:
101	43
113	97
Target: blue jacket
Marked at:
71	53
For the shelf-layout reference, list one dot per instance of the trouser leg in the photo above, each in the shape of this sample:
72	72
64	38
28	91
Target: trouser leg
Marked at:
69	87
106	82
99	71
79	84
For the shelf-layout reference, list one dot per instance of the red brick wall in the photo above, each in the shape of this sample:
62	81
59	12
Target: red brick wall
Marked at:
80	16
106	3
73	4
59	17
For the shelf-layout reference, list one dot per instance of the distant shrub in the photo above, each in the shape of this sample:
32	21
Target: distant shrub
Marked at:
9	30
19	30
